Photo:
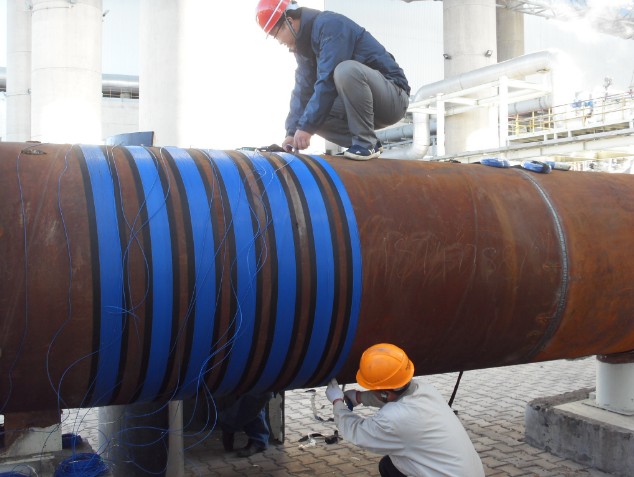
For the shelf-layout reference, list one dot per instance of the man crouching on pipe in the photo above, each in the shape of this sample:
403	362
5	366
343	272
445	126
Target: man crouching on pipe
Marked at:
414	427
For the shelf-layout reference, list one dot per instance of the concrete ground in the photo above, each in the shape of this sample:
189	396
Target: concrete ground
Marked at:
489	402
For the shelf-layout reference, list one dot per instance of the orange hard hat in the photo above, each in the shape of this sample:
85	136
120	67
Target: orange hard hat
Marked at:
384	366
268	13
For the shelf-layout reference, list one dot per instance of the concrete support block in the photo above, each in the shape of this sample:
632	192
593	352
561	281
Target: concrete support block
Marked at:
573	427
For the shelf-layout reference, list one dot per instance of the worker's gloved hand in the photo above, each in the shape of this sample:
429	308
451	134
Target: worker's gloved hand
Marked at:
333	391
351	396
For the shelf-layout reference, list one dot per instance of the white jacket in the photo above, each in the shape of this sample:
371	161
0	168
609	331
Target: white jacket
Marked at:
419	432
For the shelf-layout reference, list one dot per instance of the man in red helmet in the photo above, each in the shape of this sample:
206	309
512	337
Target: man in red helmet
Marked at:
414	427
346	83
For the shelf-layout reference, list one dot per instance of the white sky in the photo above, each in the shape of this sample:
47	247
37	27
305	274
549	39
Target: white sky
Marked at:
3	32
242	80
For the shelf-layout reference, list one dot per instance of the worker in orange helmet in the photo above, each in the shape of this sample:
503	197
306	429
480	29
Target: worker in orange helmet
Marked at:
414	427
347	84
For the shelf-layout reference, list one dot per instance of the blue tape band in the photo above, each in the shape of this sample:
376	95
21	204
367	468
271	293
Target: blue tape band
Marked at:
242	341
202	305
162	274
324	270
110	274
280	220
355	246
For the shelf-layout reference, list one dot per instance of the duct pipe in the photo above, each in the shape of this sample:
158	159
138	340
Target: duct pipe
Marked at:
66	71
18	81
120	84
396	133
519	67
420	141
400	133
110	84
516	68
134	274
538	104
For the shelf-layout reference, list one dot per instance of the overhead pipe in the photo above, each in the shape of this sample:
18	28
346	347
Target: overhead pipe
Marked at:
134	274
514	68
421	140
111	84
117	85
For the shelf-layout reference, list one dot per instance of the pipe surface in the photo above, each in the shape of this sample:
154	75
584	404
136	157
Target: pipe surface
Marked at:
134	274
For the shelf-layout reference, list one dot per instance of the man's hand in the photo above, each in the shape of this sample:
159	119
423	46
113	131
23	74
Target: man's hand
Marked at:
287	145
301	140
333	391
351	395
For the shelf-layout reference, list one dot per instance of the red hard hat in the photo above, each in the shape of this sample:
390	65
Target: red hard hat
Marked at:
268	13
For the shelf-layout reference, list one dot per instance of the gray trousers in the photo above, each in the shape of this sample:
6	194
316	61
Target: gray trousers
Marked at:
366	101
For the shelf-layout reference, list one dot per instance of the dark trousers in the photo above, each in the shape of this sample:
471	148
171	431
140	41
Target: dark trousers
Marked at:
366	101
387	469
248	414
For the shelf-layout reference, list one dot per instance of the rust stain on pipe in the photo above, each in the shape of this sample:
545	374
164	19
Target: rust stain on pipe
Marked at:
136	274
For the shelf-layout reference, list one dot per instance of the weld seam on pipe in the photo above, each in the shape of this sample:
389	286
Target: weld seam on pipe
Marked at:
565	279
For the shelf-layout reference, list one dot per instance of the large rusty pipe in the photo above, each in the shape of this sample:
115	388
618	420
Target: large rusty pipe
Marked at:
134	274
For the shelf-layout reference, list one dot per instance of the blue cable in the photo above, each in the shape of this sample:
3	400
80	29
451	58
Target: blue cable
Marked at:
82	465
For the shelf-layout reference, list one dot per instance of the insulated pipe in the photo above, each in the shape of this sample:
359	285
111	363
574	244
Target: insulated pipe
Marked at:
421	140
134	274
515	68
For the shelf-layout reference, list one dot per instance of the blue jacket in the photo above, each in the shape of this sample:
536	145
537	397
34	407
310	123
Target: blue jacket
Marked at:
324	40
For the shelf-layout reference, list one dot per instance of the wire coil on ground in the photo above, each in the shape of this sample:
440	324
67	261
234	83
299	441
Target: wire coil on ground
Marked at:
82	465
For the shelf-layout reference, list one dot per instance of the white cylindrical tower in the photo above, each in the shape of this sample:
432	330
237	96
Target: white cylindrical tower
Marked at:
18	71
66	71
470	43
510	34
161	59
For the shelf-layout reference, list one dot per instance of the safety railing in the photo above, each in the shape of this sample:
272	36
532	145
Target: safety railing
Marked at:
609	112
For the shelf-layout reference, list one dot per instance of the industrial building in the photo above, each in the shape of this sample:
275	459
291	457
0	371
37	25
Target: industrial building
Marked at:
496	224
